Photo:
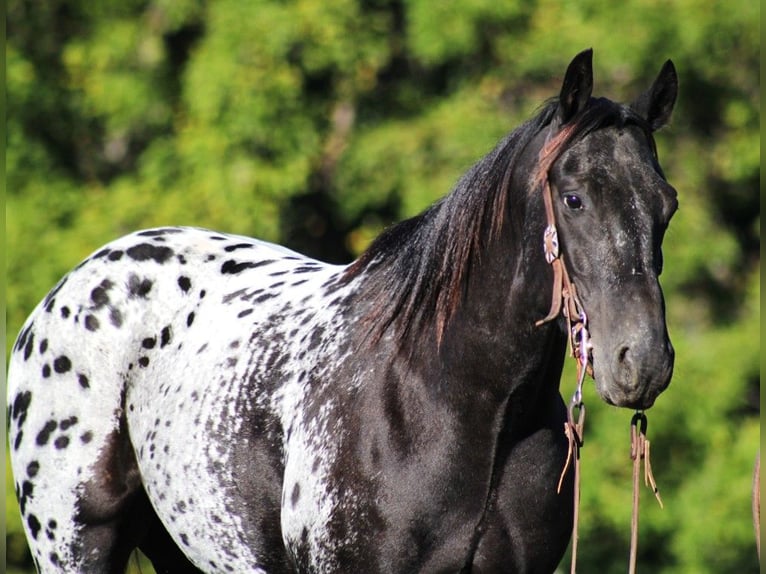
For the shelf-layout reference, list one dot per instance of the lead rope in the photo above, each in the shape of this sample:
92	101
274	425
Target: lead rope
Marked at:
639	450
564	300
574	433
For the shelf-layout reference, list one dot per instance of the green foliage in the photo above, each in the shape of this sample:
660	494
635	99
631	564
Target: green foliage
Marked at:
316	124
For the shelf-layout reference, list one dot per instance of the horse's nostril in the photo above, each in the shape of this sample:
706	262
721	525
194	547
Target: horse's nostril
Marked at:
623	355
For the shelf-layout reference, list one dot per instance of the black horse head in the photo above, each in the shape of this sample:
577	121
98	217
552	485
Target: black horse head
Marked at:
464	255
612	206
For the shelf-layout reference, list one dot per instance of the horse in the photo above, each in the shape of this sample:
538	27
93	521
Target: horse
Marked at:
226	404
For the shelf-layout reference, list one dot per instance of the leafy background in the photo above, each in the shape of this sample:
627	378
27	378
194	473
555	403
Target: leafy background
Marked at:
316	123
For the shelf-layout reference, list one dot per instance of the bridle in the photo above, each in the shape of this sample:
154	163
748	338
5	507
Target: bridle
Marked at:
565	301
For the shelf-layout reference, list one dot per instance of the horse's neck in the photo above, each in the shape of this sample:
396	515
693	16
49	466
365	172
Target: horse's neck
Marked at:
494	333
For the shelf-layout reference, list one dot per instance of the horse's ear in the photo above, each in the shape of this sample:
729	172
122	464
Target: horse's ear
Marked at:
656	104
577	86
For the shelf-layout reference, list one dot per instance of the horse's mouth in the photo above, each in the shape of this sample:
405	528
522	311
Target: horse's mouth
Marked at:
636	392
626	400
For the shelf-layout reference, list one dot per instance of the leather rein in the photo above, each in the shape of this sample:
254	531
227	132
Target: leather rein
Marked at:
566	301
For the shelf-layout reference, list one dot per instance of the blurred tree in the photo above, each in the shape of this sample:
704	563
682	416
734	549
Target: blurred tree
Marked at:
319	123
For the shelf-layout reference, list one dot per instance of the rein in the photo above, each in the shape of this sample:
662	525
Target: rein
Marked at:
565	301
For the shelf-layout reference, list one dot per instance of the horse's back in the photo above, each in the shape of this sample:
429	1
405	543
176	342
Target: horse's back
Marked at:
141	370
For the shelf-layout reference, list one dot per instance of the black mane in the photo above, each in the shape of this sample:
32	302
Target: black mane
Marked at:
418	268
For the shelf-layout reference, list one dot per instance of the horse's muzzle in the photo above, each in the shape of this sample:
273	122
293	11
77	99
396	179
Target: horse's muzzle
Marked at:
634	372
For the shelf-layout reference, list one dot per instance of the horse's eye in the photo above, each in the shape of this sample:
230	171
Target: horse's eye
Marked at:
572	201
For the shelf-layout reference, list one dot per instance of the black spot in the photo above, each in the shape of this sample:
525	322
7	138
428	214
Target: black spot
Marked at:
149	343
147	251
54	558
233	295
244	313
17	442
102	253
34	525
143	361
43	346
45	433
83	380
65	312
138	287
86	437
67	423
20	405
306	269
61	442
316	338
115	316
232	267
184	283
100	295
202	294
165	336
27	489
91	323
306	319
22	338
264	297
160	231
28	347
115	255
62	364
296	494
190	319
52	524
46	371
33	468
184	539
301	282
230	248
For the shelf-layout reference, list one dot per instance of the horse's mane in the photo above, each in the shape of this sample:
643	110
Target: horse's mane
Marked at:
416	271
